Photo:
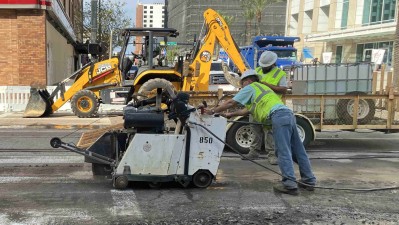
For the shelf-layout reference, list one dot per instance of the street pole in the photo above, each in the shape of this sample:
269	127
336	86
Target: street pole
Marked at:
166	26
93	37
110	44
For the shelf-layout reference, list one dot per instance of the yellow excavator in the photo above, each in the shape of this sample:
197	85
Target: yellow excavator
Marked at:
105	81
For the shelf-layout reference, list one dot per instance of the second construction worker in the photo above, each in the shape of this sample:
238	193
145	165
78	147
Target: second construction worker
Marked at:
275	79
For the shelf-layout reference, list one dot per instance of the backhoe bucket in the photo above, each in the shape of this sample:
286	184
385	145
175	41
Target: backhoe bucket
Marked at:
39	103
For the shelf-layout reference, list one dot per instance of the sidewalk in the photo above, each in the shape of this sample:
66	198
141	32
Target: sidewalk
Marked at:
64	120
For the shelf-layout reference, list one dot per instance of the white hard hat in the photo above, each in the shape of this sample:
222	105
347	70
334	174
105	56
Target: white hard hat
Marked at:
267	58
248	73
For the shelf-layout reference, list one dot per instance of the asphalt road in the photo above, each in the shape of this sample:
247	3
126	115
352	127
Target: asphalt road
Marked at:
41	185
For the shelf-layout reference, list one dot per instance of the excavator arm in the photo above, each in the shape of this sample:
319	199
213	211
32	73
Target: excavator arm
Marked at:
217	32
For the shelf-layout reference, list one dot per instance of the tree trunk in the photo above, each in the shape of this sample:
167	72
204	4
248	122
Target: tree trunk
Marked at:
259	19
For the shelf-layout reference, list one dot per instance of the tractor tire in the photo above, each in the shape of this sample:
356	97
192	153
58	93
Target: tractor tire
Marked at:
85	104
305	130
366	109
153	84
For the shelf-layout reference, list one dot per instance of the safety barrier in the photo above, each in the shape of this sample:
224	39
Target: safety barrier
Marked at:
15	99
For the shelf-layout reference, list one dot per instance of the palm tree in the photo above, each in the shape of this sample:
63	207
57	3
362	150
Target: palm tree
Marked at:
227	18
258	7
249	15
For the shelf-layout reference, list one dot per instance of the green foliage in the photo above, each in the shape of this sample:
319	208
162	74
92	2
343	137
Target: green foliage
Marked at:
229	19
172	53
111	17
255	8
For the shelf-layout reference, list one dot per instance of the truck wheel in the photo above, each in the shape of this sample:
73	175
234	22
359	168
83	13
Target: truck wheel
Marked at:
305	130
100	169
85	104
345	108
153	84
240	136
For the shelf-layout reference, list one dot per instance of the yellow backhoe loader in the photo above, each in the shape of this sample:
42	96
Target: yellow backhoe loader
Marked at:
104	81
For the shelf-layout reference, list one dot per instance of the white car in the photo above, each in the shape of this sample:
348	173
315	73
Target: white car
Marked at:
217	79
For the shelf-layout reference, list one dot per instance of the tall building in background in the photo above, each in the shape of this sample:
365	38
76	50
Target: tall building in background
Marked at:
187	17
348	29
38	40
149	16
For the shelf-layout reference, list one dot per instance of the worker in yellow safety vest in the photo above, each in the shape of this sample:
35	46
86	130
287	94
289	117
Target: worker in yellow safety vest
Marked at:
264	105
275	79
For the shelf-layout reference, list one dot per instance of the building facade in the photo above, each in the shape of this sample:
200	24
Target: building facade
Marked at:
37	41
350	29
187	17
149	16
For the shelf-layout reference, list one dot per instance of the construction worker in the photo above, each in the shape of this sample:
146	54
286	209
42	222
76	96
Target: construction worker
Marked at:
260	101
275	79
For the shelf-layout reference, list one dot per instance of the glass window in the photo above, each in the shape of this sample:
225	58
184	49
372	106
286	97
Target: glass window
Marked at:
345	9
150	16
151	7
150	11
364	51
145	12
377	11
338	54
359	52
145	21
150	25
216	66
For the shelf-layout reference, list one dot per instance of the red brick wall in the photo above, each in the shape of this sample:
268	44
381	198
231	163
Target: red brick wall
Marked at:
22	47
139	23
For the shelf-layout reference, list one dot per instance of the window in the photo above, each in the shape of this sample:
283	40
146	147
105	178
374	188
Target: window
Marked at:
338	54
150	16
145	16
145	21
145	12
150	12
145	25
378	11
145	7
364	51
150	21
151	7
345	10
150	25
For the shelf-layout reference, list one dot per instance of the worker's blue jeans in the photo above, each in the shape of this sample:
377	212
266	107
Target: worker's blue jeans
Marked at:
289	147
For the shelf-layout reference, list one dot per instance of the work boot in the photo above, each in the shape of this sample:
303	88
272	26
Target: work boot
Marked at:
282	189
308	187
252	155
272	159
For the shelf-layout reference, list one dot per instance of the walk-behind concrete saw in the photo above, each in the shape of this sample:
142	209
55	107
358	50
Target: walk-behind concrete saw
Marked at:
145	151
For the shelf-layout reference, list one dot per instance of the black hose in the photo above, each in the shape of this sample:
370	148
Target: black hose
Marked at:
303	184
